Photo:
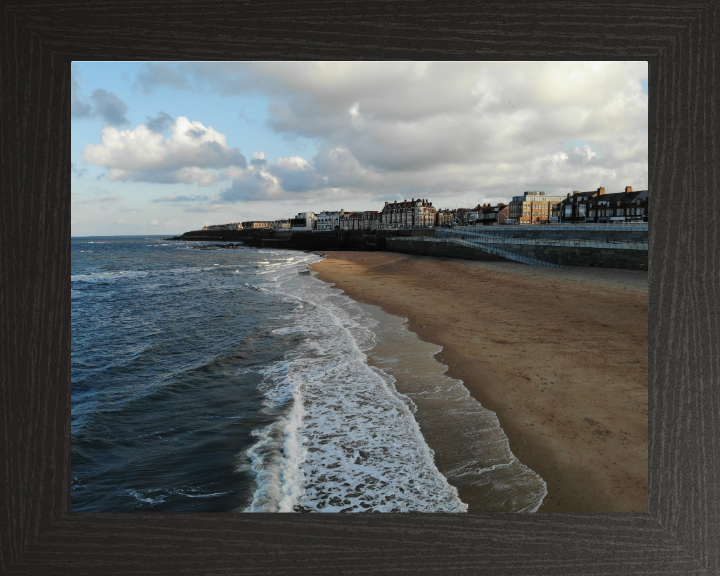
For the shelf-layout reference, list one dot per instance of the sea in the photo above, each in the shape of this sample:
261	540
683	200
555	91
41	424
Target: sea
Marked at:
215	377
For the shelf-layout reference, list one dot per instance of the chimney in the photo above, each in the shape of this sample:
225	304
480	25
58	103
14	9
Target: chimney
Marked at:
601	191
386	203
628	189
413	200
569	194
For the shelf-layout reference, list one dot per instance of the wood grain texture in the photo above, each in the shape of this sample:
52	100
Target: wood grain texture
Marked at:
38	534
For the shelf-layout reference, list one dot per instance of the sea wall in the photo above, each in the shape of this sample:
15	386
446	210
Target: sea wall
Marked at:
583	254
601	257
298	240
438	248
604	246
630	232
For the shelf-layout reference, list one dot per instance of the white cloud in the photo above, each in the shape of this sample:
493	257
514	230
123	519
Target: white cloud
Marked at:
445	130
181	198
154	222
189	156
290	177
586	152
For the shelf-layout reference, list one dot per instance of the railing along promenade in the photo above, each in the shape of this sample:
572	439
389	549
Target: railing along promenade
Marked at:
499	238
505	253
499	241
449	236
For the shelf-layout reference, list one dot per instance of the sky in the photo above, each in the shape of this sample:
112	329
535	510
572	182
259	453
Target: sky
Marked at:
168	147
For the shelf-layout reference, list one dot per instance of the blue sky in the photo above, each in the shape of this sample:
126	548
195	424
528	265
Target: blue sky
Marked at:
162	148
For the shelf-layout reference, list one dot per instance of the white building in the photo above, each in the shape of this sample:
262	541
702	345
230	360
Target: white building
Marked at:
304	221
327	220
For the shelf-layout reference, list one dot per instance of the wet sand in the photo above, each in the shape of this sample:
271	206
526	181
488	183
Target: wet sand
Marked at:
559	355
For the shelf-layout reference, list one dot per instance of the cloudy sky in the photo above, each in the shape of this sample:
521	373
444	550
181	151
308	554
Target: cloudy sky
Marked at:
163	148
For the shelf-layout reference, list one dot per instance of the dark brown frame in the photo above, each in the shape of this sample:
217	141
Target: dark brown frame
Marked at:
680	535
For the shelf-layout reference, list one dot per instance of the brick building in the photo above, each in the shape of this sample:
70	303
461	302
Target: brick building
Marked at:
532	208
408	214
257	224
619	207
444	217
493	215
596	206
367	220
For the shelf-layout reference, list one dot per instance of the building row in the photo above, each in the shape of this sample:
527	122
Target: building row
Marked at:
533	207
596	206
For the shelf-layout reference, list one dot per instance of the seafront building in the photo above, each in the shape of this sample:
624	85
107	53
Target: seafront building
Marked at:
493	215
596	206
444	217
329	220
462	216
257	224
281	225
413	214
304	221
628	206
367	220
532	208
229	226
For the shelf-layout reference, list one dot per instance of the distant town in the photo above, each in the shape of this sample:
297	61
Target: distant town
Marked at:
531	208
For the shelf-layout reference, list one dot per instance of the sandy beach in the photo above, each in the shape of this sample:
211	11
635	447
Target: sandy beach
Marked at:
560	355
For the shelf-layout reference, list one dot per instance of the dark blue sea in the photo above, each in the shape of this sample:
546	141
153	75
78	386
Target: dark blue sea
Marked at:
215	378
221	378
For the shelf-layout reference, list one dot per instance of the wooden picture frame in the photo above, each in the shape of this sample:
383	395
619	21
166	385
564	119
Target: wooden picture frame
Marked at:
680	535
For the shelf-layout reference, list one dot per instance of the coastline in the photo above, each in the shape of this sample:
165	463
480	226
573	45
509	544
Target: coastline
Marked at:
559	355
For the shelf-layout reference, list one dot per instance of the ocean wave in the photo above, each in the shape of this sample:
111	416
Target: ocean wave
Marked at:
154	496
475	454
344	439
108	277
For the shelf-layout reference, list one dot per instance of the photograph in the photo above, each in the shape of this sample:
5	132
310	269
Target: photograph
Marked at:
368	286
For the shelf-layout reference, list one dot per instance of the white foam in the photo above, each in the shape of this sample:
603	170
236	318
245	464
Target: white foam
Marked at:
344	440
107	277
289	330
156	496
479	455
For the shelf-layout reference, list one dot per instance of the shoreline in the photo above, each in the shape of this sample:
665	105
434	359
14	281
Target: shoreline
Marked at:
559	355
